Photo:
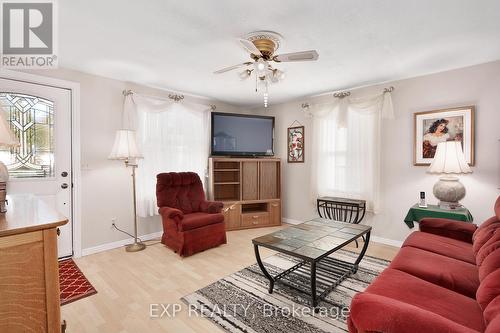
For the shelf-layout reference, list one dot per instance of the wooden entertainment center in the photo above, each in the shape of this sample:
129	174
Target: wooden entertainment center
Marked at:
250	189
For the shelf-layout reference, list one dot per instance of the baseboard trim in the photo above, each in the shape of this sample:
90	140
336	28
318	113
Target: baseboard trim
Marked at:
386	241
291	221
120	243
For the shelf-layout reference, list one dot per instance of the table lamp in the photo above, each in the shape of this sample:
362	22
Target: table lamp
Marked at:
7	140
125	148
449	160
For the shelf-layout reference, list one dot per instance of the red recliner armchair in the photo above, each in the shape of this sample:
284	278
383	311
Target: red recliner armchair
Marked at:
190	223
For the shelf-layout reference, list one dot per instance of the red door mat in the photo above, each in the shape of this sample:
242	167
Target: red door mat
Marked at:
72	283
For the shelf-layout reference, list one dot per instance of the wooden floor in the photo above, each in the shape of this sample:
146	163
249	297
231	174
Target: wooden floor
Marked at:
127	283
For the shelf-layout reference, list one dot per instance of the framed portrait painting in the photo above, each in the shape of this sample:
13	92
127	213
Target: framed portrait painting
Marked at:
296	144
433	127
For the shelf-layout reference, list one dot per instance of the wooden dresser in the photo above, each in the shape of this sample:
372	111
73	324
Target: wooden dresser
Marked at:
29	271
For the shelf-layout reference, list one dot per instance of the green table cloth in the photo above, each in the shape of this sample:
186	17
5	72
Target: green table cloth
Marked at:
416	213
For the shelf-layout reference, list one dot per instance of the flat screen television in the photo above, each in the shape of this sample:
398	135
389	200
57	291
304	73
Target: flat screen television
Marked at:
242	135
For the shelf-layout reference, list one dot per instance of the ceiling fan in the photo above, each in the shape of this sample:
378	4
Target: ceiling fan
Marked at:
262	45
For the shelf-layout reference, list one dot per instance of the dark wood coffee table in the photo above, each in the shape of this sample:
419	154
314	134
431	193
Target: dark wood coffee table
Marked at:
313	242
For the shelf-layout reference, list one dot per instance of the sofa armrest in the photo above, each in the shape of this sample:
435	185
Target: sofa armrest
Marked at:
458	230
375	313
211	207
173	214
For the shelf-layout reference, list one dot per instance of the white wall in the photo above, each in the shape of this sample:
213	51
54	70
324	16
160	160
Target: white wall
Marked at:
401	181
106	187
106	184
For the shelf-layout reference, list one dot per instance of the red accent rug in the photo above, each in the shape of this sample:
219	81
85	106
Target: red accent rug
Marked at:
72	283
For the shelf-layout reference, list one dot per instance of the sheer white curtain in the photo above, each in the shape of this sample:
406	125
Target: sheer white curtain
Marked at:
346	147
171	137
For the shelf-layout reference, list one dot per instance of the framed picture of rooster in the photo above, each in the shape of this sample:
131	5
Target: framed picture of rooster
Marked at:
296	144
433	127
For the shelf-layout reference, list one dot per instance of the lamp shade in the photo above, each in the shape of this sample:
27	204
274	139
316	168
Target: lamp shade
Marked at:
7	137
125	146
449	158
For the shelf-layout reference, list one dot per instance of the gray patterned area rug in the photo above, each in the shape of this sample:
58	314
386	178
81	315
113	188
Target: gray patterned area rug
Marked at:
240	302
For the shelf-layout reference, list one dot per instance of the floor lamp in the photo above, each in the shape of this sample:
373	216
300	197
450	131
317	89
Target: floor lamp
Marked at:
125	148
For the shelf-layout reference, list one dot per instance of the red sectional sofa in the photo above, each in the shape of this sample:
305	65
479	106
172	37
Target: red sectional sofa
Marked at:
445	278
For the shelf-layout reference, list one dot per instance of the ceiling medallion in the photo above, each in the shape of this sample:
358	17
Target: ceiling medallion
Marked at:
257	37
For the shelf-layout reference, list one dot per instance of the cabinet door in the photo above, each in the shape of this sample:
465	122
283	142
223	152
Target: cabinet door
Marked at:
231	212
275	212
269	180
249	179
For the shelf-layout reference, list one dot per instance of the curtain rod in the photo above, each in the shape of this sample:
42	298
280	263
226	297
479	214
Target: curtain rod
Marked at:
342	94
175	97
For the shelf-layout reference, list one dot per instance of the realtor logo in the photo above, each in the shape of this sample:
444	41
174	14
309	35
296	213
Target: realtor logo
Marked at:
28	34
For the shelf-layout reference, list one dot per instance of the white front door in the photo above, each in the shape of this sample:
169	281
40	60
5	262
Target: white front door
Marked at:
40	116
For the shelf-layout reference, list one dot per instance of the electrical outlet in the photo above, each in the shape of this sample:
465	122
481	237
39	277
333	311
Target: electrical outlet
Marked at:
113	223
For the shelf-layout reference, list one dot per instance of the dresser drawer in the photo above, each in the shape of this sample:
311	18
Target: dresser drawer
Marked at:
254	219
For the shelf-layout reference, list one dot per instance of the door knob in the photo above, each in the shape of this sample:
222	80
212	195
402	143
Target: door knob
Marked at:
64	174
64	185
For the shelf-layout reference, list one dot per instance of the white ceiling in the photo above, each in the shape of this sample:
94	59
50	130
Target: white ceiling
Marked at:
177	45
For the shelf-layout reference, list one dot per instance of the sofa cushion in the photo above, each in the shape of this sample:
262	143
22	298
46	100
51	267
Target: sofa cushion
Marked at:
409	289
448	228
488	289
441	245
490	264
484	233
493	326
453	274
492	310
374	313
491	245
198	220
483	225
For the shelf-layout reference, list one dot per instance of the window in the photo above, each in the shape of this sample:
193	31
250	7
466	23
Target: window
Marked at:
174	140
32	121
346	159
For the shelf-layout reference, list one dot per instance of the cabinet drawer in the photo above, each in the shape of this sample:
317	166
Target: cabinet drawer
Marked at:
254	219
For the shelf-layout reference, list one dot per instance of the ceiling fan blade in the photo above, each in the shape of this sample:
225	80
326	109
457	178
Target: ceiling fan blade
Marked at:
250	47
311	55
227	69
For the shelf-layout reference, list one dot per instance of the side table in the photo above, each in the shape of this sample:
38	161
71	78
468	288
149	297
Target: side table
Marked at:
342	210
417	213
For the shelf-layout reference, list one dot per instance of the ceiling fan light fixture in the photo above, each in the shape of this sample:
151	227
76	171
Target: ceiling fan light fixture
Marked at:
261	46
261	65
245	74
277	75
281	75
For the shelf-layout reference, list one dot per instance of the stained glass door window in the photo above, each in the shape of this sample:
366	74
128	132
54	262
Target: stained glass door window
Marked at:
31	119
